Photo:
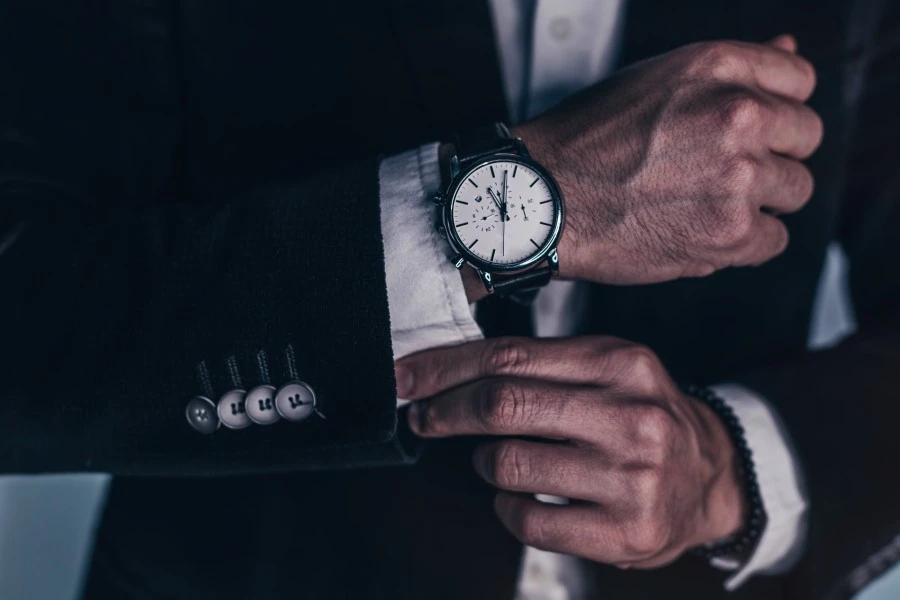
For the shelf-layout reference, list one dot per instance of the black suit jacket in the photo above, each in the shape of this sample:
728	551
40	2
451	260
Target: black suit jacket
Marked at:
183	182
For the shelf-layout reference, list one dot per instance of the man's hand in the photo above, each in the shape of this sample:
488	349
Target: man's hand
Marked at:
678	165
651	471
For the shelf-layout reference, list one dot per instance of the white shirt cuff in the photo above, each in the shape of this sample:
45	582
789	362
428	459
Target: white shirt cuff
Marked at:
426	298
780	483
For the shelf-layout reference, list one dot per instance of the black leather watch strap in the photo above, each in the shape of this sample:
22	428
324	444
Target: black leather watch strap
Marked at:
523	287
483	141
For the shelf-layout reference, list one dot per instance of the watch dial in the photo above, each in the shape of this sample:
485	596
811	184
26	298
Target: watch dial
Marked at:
504	212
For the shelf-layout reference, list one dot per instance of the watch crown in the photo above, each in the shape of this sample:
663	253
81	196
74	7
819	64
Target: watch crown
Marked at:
442	231
438	198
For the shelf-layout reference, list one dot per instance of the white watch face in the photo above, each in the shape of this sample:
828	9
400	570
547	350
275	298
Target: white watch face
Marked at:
504	212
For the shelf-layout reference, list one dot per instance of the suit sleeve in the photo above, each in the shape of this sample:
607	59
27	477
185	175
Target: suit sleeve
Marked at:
118	297
842	406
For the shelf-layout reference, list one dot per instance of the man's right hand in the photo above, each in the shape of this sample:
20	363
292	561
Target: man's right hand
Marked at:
678	165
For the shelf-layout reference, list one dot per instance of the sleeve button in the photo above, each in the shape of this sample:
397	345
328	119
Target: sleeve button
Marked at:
201	415
260	405
295	401
232	410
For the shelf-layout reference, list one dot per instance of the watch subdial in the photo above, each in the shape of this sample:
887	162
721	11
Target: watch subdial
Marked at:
522	209
485	217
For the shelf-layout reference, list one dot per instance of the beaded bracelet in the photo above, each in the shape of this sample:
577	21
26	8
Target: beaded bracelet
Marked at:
746	539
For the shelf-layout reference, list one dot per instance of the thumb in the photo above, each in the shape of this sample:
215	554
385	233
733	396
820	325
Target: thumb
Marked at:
785	42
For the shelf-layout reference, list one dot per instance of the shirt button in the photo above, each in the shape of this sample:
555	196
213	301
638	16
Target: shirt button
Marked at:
560	28
201	414
232	411
295	401
260	405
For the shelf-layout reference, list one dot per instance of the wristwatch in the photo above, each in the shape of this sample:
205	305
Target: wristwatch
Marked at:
501	212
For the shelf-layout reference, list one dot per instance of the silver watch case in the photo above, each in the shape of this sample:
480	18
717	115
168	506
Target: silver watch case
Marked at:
464	255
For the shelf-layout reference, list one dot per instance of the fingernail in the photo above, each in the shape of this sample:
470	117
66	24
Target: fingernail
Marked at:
413	417
404	379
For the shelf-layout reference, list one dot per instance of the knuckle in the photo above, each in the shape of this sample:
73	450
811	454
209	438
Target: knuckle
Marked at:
508	356
647	489
510	467
642	364
654	429
717	60
739	175
739	229
503	407
739	111
729	225
649	537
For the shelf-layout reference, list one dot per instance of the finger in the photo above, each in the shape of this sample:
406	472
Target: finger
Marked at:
568	360
794	129
785	42
769	239
518	407
778	71
547	468
584	530
786	185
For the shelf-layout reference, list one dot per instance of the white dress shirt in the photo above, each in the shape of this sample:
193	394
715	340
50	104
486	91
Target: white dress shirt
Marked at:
549	50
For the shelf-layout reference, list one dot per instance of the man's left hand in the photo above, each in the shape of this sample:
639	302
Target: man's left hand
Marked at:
650	471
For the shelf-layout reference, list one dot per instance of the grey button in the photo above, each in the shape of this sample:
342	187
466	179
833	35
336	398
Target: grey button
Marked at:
231	410
295	401
260	405
560	28
201	414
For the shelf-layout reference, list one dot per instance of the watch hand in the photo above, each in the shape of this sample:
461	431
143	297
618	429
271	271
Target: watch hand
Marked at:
523	211
504	216
495	199
505	187
503	238
505	194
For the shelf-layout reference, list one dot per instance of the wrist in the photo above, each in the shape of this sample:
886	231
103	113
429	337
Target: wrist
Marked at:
547	153
726	507
472	283
735	524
